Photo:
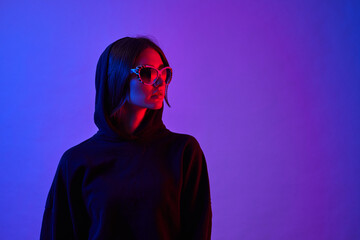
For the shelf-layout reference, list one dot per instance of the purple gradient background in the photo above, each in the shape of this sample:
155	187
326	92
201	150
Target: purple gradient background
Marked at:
271	90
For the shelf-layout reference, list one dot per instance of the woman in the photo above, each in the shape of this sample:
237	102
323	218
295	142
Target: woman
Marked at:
134	179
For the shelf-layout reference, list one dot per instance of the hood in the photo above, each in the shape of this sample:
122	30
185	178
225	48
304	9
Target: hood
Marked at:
150	126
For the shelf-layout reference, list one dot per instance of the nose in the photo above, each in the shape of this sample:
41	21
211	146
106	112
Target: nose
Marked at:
159	81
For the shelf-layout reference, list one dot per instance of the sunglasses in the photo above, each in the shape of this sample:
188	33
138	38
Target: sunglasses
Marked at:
148	74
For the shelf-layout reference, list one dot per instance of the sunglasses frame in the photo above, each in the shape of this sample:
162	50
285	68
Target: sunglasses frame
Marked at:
138	69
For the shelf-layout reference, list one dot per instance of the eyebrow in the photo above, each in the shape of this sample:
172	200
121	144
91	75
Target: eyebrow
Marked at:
160	67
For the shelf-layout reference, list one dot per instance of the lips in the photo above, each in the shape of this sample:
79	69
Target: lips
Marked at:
158	93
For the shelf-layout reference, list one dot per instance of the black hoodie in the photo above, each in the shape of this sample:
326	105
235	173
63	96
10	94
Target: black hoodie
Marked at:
152	184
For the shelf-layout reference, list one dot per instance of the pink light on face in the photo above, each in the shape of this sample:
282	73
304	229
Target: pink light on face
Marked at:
143	95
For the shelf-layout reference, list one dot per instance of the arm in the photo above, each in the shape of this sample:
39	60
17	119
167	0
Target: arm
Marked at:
64	216
196	213
56	223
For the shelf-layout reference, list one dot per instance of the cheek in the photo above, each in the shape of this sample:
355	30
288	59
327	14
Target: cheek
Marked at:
139	91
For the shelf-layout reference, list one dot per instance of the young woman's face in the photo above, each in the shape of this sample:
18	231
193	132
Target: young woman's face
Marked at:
144	95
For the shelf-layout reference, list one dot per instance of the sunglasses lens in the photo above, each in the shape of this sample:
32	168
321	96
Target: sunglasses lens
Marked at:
148	75
166	74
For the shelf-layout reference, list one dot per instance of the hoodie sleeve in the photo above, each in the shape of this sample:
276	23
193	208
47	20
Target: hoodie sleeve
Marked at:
196	213
64	216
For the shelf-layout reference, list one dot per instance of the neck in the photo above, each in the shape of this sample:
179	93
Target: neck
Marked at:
130	117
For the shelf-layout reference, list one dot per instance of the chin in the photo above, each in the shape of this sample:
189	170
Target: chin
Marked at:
155	106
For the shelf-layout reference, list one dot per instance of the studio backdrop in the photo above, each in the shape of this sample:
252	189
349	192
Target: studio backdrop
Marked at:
270	89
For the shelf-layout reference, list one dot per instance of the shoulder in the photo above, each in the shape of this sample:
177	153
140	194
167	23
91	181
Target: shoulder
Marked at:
76	156
184	139
192	156
186	143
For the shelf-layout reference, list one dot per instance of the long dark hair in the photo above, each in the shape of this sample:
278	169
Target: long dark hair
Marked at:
122	58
